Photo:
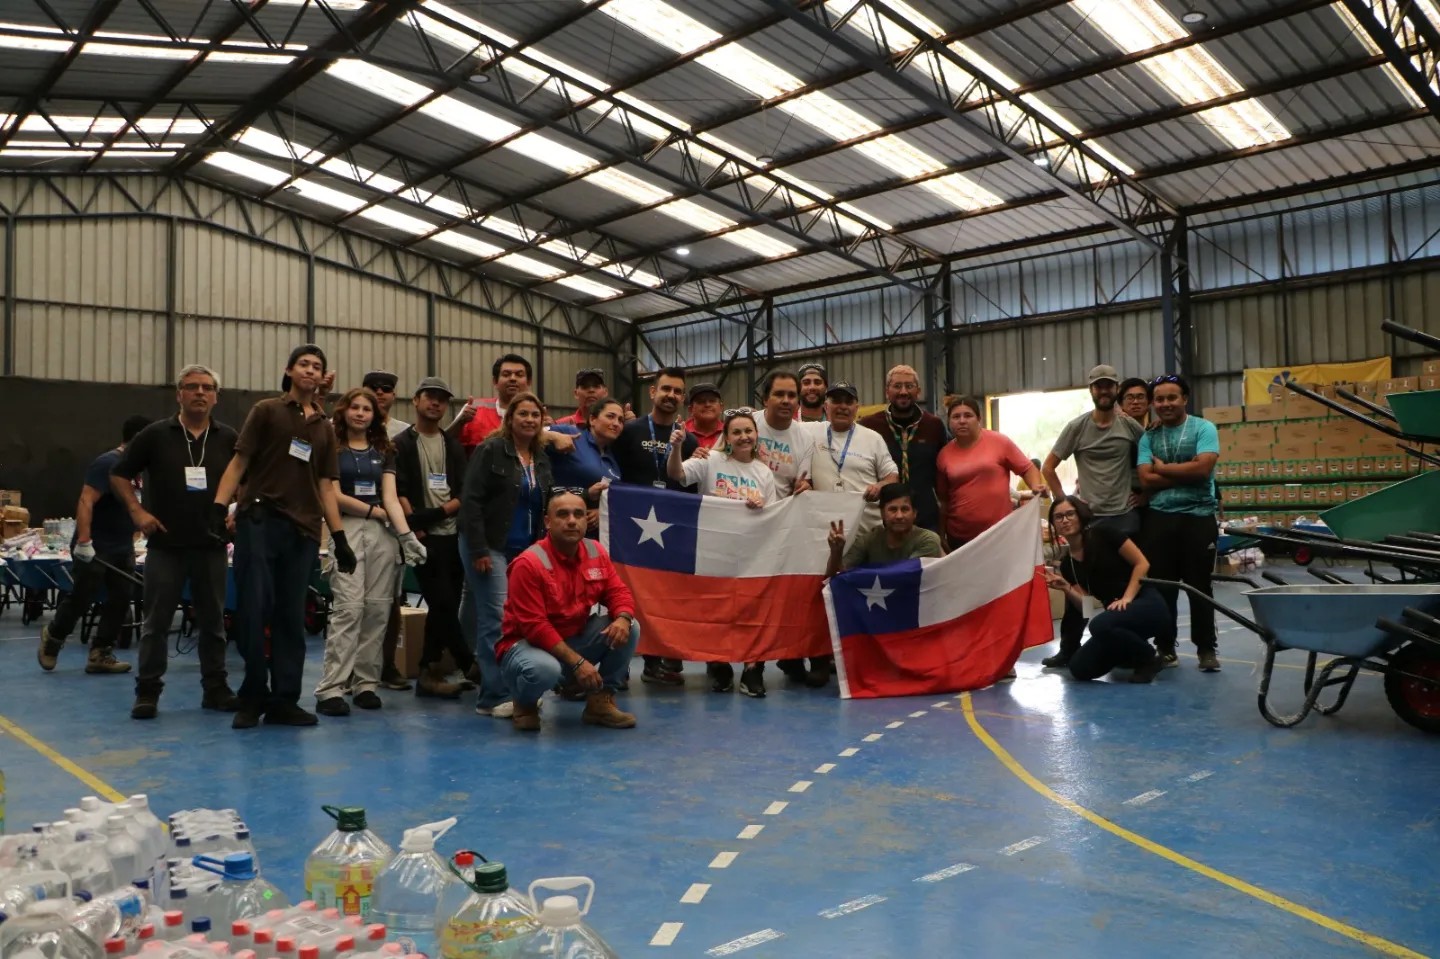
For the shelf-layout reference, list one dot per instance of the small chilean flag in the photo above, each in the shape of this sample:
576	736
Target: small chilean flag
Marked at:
926	626
717	581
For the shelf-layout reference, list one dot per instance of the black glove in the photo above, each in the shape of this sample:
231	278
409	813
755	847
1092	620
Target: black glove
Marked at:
219	512
423	519
344	557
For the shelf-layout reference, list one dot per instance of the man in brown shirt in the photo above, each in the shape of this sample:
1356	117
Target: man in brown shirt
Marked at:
282	478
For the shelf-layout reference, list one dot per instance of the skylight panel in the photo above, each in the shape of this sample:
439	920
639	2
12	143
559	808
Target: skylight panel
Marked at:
396	220
583	285
383	83
35	123
1363	35
22	36
469	244
246	167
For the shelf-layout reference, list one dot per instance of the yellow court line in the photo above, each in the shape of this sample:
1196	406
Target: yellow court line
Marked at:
1384	946
84	775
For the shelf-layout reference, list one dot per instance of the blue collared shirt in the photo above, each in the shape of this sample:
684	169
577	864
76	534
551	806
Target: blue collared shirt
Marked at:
586	465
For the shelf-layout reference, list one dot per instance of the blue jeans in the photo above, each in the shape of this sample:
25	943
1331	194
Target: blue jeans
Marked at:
273	564
531	671
1120	639
1072	622
480	615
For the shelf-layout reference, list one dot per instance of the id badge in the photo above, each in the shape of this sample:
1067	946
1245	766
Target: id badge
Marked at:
364	487
658	484
195	478
300	450
439	482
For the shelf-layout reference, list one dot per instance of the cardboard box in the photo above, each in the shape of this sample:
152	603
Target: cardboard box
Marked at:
10	497
1307	495
1299	407
1320	496
1302	431
1354	491
1404	384
1290	494
412	641
1366	466
1265	412
1247	496
1289	469
1294	450
1431	368
1335	468
1246	453
1369	389
1224	414
1247	471
1338	492
1230	495
1430	383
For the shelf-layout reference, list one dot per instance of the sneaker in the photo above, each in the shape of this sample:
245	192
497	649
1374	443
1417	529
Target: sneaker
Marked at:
220	699
397	682
524	718
1167	656
674	665
49	649
818	676
722	677
102	661
1147	672
1209	662
247	716
1058	661
752	681
290	714
659	675
368	700
792	669
505	710
147	705
330	706
600	710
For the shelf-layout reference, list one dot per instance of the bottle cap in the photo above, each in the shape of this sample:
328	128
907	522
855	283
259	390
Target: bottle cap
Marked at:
239	928
263	937
560	911
375	932
115	947
309	952
145	932
464	858
174	917
345	944
347	818
285	944
422	838
491	877
179	892
200	924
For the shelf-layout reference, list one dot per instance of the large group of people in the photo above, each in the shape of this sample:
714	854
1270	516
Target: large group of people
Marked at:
498	512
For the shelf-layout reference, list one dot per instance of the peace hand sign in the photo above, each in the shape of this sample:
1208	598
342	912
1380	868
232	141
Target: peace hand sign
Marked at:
837	534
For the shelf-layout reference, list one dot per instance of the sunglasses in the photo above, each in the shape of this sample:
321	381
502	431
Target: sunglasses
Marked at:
1167	378
738	411
577	490
382	388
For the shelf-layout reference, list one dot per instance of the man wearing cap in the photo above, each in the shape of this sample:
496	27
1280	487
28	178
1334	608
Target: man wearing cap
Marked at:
382	383
284	479
813	384
589	387
429	471
915	439
1103	444
705	423
481	417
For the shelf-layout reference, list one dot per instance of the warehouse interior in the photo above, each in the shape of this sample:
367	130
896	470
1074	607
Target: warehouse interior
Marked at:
1000	193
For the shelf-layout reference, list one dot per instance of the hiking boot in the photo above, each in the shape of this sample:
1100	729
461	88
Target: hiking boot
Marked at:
369	699
526	718
290	714
147	705
752	681
722	677
1209	662
600	710
102	660
1147	671
49	649
660	675
220	699
247	715
792	669
674	665
432	683
1058	661
1168	658
330	706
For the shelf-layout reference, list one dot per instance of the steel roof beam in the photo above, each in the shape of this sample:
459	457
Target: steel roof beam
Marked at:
1409	41
97	16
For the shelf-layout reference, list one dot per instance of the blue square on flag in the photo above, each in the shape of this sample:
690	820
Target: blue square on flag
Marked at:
877	599
653	528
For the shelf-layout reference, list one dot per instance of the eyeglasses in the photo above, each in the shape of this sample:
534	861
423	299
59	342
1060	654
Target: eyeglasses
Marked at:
1067	514
198	388
1167	378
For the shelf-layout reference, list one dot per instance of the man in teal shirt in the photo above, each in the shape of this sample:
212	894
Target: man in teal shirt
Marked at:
1177	468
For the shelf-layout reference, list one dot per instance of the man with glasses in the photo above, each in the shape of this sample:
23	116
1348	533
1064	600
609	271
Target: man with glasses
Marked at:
1135	401
914	437
1102	442
813	383
1177	468
589	387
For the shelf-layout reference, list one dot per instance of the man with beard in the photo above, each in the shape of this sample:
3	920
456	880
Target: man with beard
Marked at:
914	437
1103	444
813	384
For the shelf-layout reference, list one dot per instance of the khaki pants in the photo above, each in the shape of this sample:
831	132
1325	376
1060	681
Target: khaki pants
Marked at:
355	636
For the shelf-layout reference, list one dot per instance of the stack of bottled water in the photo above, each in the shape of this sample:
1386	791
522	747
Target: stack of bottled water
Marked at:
199	832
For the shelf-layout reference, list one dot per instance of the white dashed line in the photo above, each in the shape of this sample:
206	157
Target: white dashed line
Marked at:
665	935
1144	797
723	860
917	714
749	832
873	737
895	725
1023	845
847	753
801	786
1197	776
854	905
695	893
945	873
775	808
941	704
745	942
824	768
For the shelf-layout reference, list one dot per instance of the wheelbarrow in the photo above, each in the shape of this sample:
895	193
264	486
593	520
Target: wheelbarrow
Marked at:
1391	629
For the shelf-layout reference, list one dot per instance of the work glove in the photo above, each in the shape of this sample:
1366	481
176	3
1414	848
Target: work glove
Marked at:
344	556
412	549
216	527
83	552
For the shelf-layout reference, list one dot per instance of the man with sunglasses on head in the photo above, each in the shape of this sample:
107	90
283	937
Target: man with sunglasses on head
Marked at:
813	383
1177	468
589	387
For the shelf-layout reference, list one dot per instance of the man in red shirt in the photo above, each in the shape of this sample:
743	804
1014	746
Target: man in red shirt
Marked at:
589	387
479	418
547	630
704	423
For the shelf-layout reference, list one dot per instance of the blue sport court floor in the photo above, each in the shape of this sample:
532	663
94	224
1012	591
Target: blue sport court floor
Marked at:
1041	817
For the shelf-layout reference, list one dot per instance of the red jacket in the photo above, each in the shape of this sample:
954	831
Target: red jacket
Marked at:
550	596
478	430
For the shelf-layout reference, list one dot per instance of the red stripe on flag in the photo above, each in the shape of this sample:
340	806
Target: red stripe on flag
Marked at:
719	620
969	652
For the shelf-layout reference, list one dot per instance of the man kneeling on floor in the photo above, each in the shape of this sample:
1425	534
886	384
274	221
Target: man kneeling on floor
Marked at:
547	630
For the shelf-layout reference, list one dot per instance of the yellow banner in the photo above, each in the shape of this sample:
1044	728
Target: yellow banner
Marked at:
1258	380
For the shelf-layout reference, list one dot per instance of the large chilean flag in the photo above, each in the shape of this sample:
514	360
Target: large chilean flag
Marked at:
942	625
717	581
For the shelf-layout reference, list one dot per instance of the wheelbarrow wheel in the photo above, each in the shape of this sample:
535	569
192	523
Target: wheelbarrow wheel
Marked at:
1304	556
317	613
1417	701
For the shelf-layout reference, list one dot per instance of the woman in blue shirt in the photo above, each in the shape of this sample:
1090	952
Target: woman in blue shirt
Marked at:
592	466
370	510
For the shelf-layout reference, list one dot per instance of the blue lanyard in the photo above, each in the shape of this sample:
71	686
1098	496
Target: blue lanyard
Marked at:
830	445
659	457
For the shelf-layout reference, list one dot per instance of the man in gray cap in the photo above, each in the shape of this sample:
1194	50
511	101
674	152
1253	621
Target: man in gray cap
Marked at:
1103	443
429	469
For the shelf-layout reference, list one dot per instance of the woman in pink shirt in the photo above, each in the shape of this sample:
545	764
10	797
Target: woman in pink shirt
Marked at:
973	474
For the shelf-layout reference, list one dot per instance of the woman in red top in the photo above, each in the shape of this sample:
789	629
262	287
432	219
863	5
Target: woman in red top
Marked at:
973	474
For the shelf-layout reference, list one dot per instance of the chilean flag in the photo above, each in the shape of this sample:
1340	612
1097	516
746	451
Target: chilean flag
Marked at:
942	625
717	581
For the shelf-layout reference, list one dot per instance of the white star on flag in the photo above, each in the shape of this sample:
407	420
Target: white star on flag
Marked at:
874	596
651	529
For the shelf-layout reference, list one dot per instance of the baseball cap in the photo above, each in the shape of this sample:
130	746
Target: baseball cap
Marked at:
380	378
304	349
434	383
590	373
700	389
843	387
1103	372
813	368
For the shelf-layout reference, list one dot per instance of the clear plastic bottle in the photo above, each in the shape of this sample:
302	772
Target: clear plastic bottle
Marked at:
494	922
408	890
341	871
44	930
114	915
242	892
563	933
122	849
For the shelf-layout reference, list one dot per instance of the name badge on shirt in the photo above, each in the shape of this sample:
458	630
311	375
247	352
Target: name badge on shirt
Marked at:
364	487
594	574
658	484
300	450
439	482
195	478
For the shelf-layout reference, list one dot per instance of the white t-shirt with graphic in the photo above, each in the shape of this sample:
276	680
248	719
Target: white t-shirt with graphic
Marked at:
719	475
788	452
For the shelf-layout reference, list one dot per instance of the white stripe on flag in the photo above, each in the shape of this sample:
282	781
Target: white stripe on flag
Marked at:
785	538
998	561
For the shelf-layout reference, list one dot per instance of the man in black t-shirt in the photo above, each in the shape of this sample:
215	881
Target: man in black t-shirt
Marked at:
104	556
182	459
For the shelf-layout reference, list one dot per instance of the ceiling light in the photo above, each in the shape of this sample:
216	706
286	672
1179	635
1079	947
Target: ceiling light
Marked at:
1192	17
765	159
1041	160
292	188
682	251
480	78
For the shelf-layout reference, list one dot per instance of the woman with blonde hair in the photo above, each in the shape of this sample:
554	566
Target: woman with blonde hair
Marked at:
369	511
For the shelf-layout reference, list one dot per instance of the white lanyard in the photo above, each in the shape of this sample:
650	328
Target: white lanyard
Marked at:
204	439
1175	446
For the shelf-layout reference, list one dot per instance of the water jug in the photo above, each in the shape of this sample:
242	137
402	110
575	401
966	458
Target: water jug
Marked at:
492	924
341	871
242	892
408	890
563	933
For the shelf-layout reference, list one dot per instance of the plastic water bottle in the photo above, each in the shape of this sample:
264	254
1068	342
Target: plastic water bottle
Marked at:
122	850
116	914
44	932
88	864
341	871
563	933
409	889
242	892
21	887
492	923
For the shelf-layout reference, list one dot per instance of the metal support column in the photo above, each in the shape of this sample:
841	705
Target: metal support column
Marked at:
1175	302
539	376
9	331
430	344
172	248
310	298
935	379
